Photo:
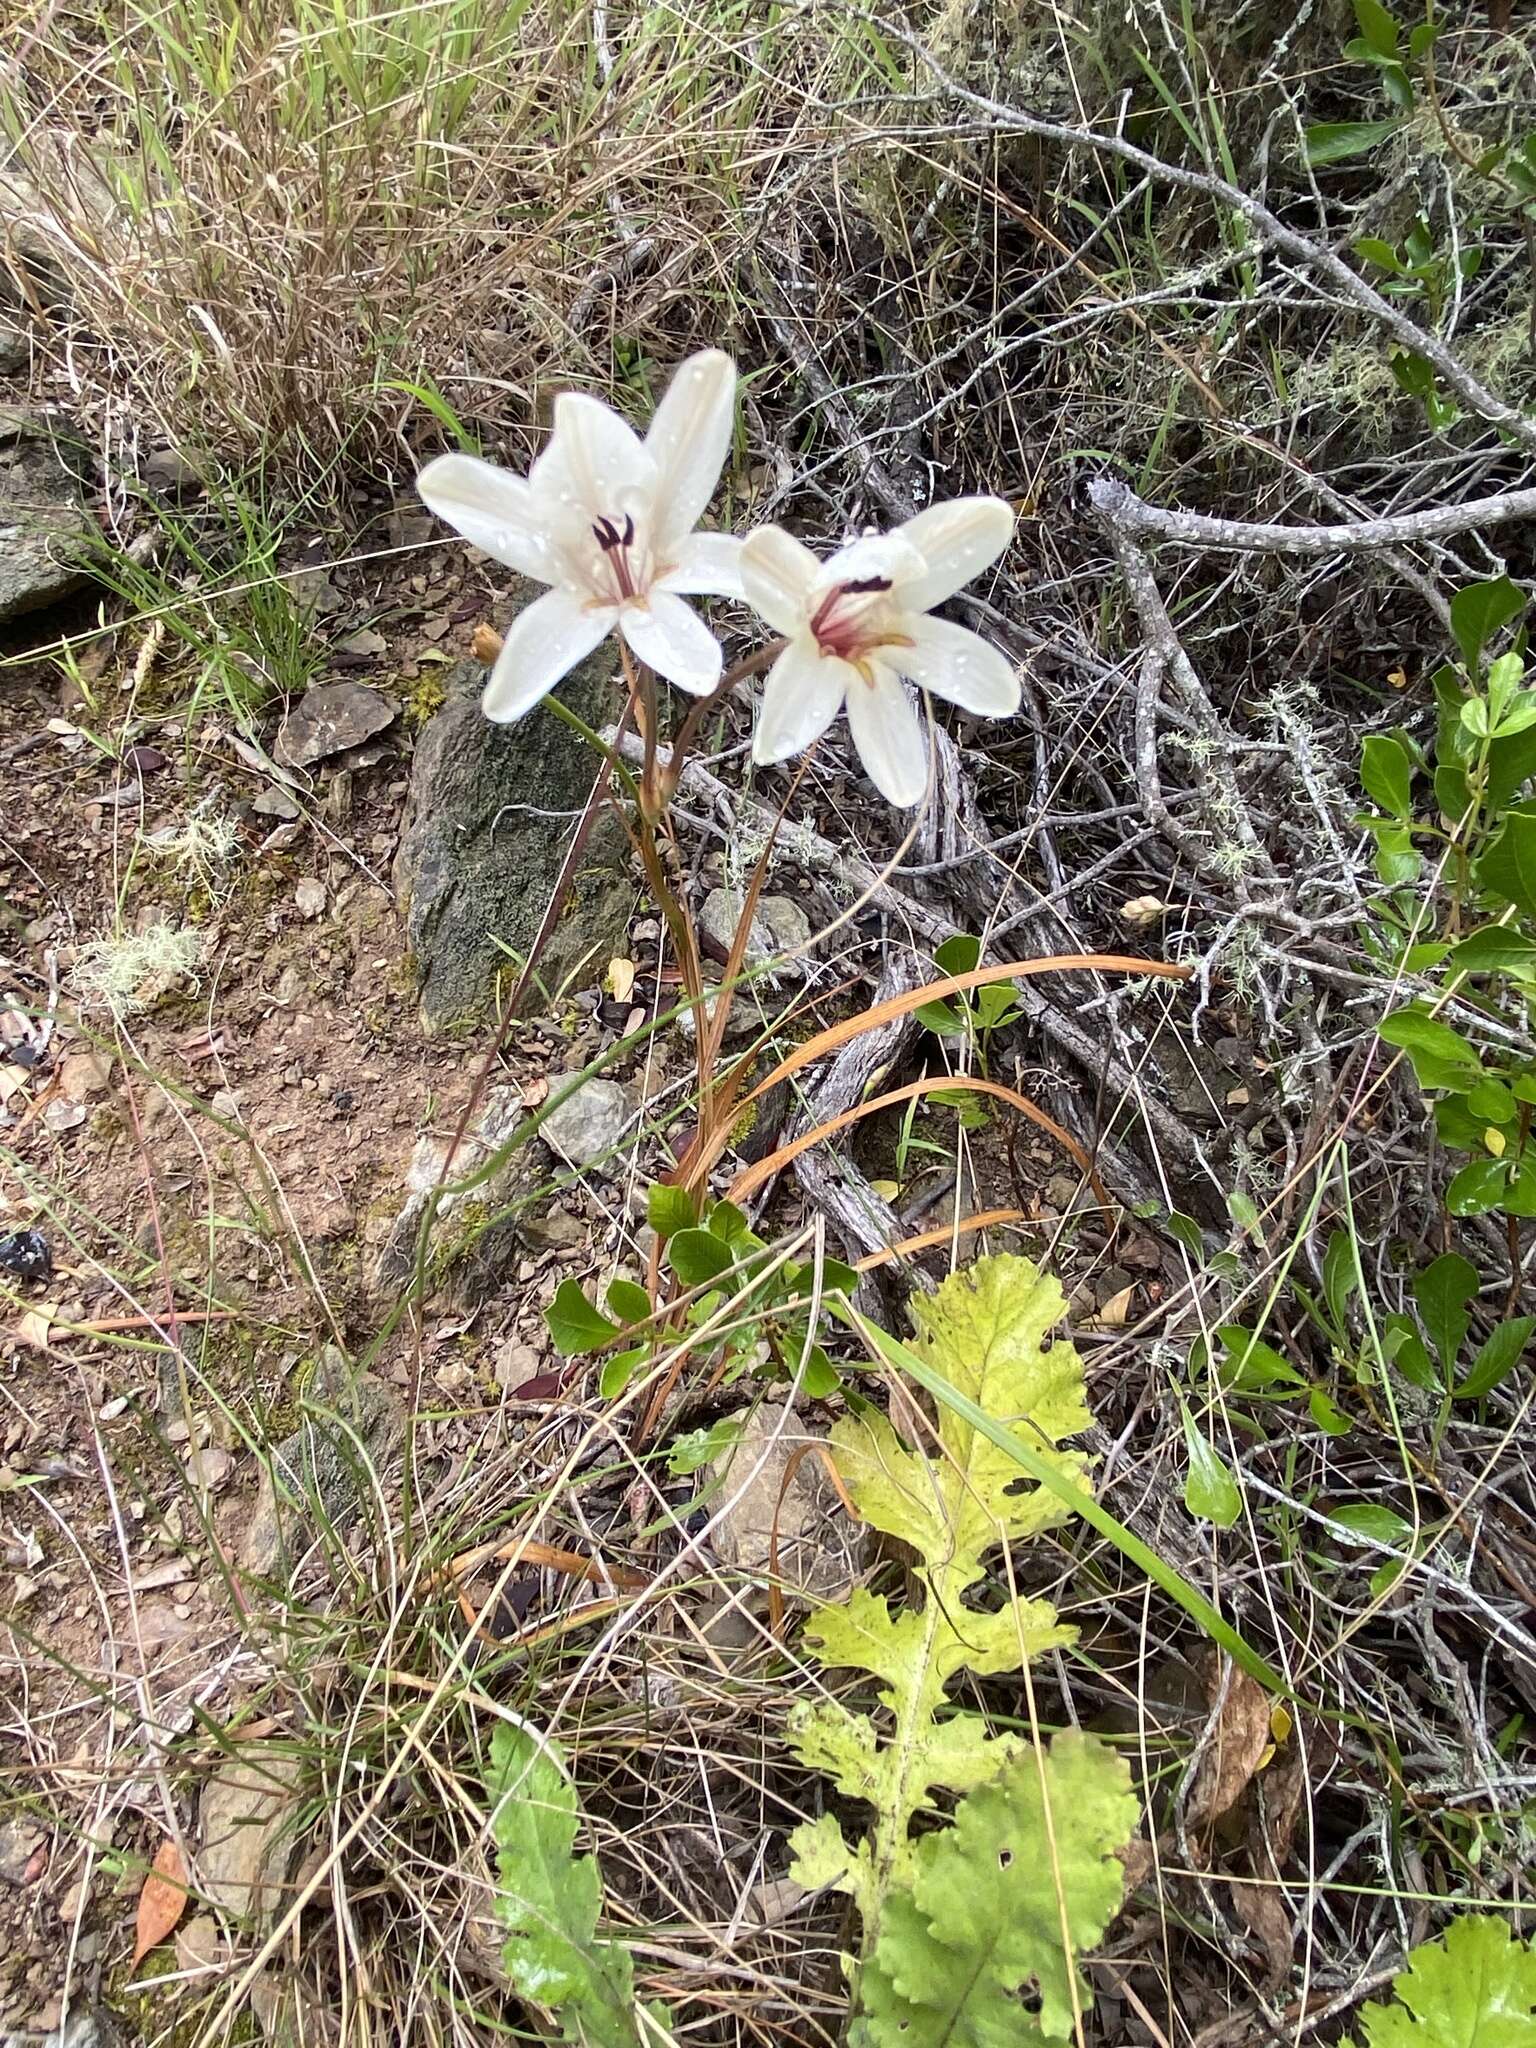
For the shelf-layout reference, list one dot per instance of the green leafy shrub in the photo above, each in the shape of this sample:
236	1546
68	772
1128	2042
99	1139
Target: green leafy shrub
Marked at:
957	1922
1484	841
769	1300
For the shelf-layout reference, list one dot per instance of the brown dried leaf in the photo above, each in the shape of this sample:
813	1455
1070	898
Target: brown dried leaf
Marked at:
1237	1749
35	1324
162	1901
1263	1913
621	978
1115	1313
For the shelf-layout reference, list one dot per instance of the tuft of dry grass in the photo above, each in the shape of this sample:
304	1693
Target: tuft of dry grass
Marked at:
288	231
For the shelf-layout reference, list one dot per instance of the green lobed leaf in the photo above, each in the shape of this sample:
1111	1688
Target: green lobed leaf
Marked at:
548	1898
1031	1856
1476	1988
985	1329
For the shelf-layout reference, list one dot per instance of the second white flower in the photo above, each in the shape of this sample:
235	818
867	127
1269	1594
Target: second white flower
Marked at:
858	624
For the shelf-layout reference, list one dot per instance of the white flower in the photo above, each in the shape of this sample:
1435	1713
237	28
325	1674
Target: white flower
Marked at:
858	624
607	520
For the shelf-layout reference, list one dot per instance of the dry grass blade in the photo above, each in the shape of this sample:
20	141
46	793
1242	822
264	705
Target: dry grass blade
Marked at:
871	1019
753	1177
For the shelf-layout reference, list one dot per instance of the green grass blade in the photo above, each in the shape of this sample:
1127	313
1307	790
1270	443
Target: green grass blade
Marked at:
1041	1470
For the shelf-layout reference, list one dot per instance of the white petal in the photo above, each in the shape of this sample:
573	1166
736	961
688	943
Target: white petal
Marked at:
777	574
689	439
956	541
956	663
800	699
873	557
492	508
544	642
890	741
670	637
704	563
593	468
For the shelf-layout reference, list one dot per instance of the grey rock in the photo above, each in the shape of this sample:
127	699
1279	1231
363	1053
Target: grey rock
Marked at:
15	351
170	474
487	825
779	926
44	531
769	1519
20	1841
59	213
246	1834
746	1017
472	1238
317	1474
329	719
587	1127
276	803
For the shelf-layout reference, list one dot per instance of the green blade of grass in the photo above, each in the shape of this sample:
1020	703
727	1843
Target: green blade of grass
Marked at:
1130	1546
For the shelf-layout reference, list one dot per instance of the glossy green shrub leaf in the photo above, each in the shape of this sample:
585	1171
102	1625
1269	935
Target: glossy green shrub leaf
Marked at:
574	1324
669	1209
1497	1359
629	1301
1386	773
1507	870
1441	1057
1477	1188
1479	612
1442	1292
1496	949
619	1370
698	1256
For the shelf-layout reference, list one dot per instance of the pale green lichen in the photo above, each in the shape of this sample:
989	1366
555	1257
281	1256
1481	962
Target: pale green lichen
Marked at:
126	973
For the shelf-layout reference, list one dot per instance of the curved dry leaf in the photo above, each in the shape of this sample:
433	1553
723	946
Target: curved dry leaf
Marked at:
162	1900
1238	1748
